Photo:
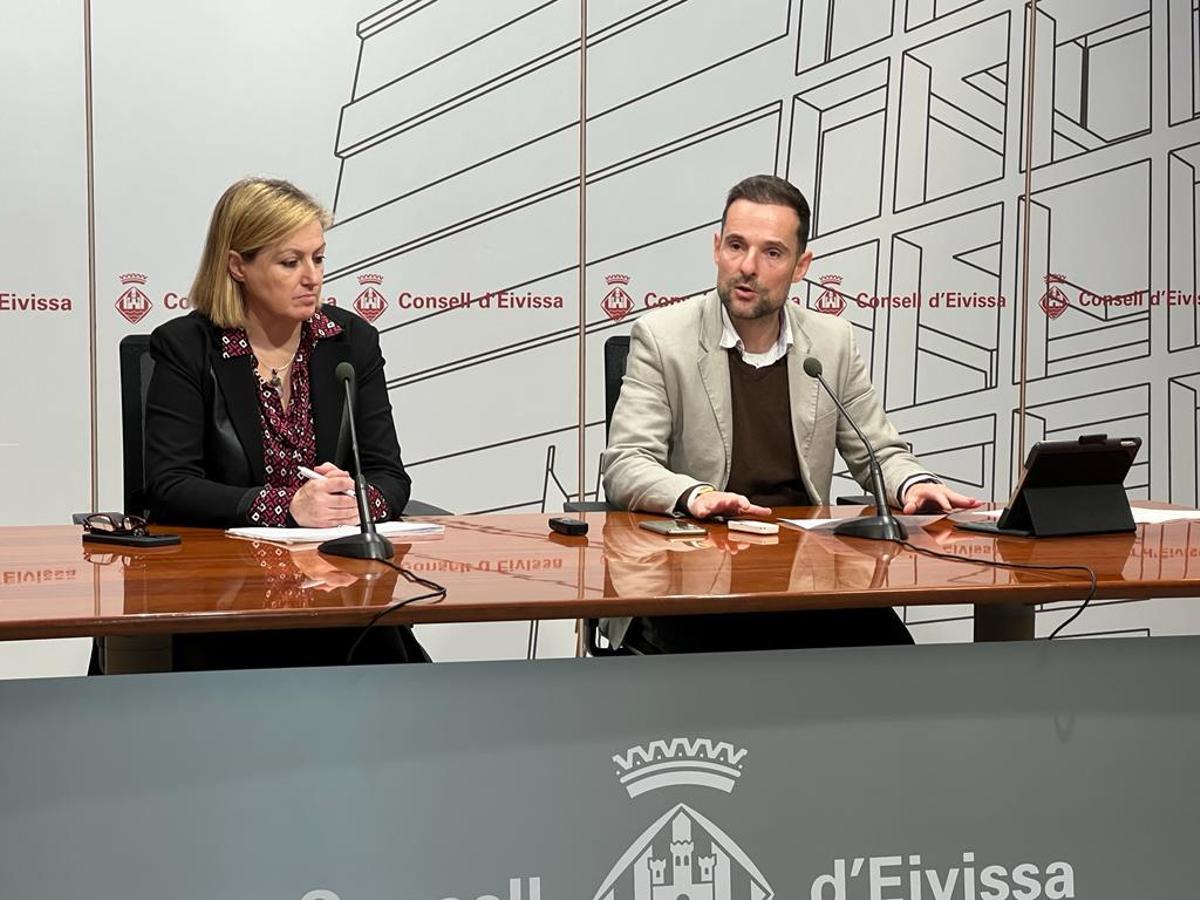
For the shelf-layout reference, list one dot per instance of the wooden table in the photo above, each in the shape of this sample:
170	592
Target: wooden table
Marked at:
503	567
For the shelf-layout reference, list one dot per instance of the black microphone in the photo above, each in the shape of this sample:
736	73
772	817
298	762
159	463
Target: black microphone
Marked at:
883	526
342	457
368	543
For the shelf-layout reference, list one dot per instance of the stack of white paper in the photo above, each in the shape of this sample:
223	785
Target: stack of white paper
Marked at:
1142	515
317	535
830	524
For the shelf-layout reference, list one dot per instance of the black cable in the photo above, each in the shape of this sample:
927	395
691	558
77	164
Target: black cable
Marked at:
435	591
1007	565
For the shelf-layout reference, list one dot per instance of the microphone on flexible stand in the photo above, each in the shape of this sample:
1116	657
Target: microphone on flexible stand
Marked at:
883	526
368	544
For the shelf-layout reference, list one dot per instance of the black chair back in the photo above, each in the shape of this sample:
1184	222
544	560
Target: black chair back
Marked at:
136	368
616	353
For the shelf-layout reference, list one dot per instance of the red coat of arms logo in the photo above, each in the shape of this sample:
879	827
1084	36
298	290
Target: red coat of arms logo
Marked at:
1054	302
831	302
133	304
617	303
370	303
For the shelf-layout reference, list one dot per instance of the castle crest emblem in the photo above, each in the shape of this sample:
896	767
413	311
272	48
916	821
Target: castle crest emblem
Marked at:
831	301
683	855
370	302
133	304
617	303
1054	302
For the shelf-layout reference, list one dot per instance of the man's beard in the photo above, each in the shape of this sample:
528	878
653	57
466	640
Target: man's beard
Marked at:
763	306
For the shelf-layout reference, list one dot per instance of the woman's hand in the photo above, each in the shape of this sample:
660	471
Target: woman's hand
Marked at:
324	503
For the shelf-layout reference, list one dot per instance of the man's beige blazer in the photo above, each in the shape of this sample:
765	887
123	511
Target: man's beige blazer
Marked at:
673	424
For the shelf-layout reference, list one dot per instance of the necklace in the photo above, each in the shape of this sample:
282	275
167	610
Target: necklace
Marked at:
276	381
277	372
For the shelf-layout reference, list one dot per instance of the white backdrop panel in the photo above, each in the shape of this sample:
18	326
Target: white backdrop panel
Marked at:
44	429
444	135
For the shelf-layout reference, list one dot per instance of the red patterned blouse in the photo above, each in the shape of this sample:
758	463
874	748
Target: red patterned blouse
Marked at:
289	440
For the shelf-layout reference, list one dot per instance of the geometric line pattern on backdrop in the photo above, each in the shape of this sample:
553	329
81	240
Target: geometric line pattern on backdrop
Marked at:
478	71
1183	252
401	84
1183	60
953	265
922	12
953	113
831	29
512	69
412	199
839	133
1183	432
1070	328
527	486
409	214
962	453
1093	76
698	150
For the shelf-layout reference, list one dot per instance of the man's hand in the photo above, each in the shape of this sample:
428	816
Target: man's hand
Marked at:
723	503
929	496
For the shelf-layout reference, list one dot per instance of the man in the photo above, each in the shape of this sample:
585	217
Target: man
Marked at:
717	418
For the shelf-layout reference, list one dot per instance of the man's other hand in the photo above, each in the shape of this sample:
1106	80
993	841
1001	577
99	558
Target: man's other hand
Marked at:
723	503
929	496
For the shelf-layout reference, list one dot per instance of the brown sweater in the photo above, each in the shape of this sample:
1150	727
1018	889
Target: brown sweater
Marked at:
765	467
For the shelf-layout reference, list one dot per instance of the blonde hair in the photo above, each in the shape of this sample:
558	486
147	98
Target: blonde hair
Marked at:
251	214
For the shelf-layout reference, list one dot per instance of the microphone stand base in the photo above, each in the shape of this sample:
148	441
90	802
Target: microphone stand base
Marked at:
875	528
359	546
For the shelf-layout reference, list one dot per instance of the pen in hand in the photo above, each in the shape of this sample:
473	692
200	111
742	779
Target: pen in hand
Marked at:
308	473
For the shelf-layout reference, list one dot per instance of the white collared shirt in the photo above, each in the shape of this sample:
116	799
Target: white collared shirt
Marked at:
730	340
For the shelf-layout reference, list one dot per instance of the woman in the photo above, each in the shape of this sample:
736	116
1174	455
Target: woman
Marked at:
244	394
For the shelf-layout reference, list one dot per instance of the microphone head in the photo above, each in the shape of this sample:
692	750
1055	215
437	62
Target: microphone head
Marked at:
345	372
812	367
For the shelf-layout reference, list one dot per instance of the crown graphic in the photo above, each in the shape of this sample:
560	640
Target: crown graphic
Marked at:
827	280
370	278
132	278
673	762
616	279
1052	278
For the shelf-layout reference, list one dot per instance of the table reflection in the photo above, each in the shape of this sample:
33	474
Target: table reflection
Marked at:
640	563
252	576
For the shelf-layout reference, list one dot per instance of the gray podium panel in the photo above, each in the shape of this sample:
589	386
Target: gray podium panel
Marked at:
962	772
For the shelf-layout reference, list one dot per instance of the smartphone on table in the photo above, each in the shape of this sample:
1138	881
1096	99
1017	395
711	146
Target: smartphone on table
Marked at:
672	527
